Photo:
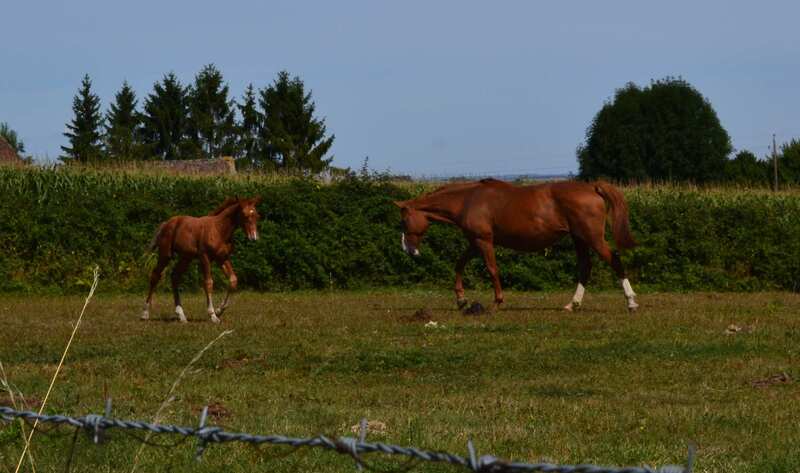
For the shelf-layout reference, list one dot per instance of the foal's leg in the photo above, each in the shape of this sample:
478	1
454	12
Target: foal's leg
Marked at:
584	271
208	285
487	250
612	258
177	272
155	276
468	254
227	268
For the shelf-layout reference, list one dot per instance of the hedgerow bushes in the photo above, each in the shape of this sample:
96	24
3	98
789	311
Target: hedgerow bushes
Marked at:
55	225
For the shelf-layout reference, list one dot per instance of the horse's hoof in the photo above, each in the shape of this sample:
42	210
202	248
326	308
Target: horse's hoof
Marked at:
219	311
475	309
568	307
632	307
214	318
183	320
145	316
462	303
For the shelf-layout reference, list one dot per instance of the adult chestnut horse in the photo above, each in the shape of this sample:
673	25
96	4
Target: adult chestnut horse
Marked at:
209	239
527	218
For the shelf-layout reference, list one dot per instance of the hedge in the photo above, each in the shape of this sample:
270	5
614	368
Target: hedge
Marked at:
56	224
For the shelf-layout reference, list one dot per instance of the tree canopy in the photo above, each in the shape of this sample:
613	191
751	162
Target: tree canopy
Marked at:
665	131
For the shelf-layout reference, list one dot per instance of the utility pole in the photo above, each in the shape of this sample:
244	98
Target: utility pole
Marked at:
774	164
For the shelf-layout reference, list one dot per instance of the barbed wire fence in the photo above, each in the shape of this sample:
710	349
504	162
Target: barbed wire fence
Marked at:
96	426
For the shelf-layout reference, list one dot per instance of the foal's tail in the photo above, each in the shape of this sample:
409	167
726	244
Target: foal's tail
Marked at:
620	226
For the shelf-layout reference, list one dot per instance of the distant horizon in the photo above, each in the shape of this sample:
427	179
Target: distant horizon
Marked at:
420	88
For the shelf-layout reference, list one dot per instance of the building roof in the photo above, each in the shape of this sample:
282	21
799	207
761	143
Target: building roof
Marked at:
7	153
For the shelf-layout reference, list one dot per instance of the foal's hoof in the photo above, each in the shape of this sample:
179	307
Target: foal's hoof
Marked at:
144	316
462	302
214	318
632	307
572	306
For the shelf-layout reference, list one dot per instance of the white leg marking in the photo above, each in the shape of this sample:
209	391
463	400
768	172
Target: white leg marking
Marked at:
181	315
211	312
629	294
577	299
403	242
145	312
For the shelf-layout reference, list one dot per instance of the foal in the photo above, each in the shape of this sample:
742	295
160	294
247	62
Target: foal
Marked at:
209	239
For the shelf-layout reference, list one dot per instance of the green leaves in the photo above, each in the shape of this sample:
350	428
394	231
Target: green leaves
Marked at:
664	132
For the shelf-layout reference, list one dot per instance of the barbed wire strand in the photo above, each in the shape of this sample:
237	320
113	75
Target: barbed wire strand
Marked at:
96	425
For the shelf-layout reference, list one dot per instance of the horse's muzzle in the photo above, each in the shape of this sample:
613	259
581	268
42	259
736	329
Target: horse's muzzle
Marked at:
410	250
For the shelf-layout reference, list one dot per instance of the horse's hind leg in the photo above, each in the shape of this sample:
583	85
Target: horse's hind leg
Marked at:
177	272
612	258
468	254
155	276
584	272
227	268
487	250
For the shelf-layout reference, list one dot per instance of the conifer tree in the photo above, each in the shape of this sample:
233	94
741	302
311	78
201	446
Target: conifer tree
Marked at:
291	138
248	129
123	124
211	114
165	129
84	131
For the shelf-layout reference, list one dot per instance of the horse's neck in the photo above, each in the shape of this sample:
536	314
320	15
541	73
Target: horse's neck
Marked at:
226	222
444	206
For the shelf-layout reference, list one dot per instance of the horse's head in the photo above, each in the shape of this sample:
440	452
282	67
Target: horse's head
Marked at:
415	223
249	216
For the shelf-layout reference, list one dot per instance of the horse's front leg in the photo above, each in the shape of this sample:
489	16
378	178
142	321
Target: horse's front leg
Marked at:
227	268
486	248
208	285
468	254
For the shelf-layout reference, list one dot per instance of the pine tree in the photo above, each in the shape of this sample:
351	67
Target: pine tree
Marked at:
211	114
291	137
123	126
85	145
165	129
248	129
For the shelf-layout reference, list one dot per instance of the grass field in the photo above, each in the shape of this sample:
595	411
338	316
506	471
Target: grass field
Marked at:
531	383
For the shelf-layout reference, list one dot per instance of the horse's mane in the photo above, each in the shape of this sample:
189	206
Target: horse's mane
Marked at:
457	186
227	203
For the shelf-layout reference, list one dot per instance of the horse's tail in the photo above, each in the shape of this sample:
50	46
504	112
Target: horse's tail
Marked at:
154	242
620	226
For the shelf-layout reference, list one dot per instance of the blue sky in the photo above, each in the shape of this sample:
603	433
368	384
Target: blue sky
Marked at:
426	88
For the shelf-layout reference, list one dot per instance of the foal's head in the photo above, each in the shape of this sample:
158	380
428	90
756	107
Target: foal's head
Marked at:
246	215
249	216
415	223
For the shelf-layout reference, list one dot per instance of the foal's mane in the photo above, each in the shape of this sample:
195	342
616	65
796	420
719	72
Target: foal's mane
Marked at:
230	201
